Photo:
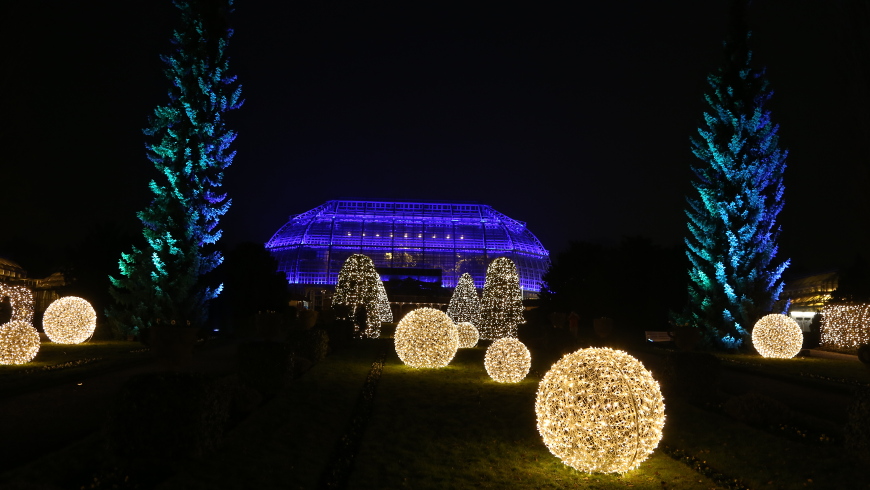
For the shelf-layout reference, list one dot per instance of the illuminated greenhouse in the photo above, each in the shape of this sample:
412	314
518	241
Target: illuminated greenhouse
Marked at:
434	242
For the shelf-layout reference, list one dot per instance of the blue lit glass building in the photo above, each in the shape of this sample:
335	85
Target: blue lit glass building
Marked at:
430	241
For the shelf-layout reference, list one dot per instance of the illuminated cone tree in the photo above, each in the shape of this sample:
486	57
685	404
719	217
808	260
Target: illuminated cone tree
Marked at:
188	143
357	289
464	304
384	310
501	307
733	234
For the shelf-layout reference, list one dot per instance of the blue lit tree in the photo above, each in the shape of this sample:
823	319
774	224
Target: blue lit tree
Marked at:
188	142
733	232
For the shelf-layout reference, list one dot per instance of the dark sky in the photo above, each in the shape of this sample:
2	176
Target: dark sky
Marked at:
574	118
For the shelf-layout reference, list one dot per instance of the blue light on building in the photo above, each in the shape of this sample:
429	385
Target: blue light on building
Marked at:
430	241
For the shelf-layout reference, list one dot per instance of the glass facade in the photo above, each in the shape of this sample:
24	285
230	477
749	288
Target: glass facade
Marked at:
452	238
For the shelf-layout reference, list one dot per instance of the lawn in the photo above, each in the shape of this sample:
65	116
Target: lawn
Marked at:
826	371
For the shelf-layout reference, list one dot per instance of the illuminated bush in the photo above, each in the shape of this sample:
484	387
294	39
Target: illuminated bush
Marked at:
846	325
501	307
777	336
69	320
426	337
468	335
21	300
600	410
507	360
19	342
464	304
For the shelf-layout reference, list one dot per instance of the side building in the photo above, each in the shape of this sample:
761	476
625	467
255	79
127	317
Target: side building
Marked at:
432	242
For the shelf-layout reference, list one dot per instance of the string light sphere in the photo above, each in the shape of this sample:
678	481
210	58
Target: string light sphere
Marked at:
21	300
845	325
777	336
426	338
507	360
19	342
468	335
501	307
69	320
600	411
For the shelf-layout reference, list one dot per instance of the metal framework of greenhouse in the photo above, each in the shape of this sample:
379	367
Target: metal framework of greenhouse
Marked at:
449	237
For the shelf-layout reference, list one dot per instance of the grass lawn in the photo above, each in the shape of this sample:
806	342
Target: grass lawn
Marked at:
831	371
456	428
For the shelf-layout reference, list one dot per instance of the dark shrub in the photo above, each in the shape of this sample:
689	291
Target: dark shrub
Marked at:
864	354
857	432
167	416
686	338
307	319
266	366
311	344
756	409
691	375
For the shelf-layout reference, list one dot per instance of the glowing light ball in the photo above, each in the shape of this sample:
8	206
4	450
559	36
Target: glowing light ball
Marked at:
19	342
600	410
468	335
777	336
507	360
426	337
69	320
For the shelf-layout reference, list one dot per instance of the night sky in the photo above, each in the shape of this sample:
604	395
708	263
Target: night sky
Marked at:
572	116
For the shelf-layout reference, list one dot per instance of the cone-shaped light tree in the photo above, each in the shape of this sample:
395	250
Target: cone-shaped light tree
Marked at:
188	142
356	295
501	307
464	304
384	310
733	232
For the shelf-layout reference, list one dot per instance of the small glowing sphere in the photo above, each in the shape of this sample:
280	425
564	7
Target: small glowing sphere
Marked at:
507	360
426	337
19	342
69	320
468	335
600	410
778	336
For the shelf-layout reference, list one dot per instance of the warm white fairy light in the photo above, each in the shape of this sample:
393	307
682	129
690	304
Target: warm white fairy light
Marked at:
600	411
358	286
21	300
501	307
69	320
846	325
777	336
468	335
426	337
464	304
384	310
19	342
507	360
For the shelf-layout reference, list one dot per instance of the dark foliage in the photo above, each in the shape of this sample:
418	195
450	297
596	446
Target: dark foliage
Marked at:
853	284
857	431
864	354
266	366
692	375
163	416
309	344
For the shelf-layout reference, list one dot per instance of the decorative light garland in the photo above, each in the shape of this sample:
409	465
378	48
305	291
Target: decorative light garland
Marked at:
777	335
468	335
464	304
600	410
845	325
69	320
426	337
21	299
501	308
507	360
358	286
19	342
384	310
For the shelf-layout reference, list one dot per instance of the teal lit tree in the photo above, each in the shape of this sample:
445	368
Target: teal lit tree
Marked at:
733	231
187	140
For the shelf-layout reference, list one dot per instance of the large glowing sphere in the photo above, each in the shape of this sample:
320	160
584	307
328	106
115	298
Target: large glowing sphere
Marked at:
600	411
777	335
19	342
426	337
69	320
468	335
507	360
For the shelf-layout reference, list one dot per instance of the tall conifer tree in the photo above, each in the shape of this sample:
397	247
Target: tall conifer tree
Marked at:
501	307
357	295
188	143
464	304
732	225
